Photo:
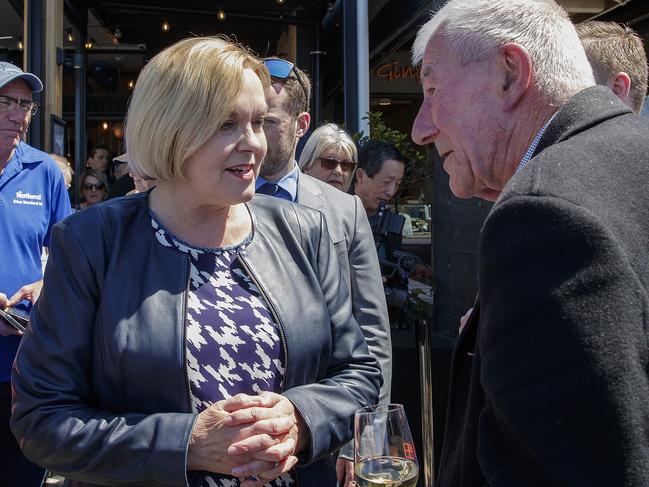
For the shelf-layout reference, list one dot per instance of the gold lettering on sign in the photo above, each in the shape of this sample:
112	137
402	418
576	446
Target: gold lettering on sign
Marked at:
394	70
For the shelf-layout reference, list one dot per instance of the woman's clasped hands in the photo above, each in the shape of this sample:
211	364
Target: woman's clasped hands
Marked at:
255	438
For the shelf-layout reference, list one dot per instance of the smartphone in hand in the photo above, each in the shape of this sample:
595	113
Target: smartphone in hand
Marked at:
17	318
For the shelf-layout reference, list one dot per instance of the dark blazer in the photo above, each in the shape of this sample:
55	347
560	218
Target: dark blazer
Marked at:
100	387
352	237
550	381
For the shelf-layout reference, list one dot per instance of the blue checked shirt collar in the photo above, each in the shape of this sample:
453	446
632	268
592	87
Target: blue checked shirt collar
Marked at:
528	155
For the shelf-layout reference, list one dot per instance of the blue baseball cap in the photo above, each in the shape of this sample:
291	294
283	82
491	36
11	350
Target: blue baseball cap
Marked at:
10	72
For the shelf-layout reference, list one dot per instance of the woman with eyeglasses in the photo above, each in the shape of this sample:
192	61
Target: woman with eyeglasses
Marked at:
330	156
93	188
193	335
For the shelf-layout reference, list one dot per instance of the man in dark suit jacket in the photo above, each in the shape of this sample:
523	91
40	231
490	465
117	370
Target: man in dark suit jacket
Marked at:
286	122
550	376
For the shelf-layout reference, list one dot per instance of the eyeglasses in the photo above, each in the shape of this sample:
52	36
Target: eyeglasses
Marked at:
9	103
98	186
329	163
282	69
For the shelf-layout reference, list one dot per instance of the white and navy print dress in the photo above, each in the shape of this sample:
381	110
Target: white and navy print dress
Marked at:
233	345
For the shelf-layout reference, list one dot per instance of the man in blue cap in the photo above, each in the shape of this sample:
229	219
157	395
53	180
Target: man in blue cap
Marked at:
33	198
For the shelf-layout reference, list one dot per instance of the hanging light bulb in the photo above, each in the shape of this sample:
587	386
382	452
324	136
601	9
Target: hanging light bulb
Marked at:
104	125
130	84
69	35
20	44
220	15
279	2
89	43
165	26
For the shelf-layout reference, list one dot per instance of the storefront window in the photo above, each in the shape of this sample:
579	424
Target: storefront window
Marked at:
11	34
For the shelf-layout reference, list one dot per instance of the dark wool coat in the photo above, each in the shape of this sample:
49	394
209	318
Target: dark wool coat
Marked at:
550	381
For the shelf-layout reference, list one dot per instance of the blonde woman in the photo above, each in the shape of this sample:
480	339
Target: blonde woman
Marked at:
193	336
330	155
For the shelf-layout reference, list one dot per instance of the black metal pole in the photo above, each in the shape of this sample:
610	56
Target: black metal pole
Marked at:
350	63
79	64
317	82
35	65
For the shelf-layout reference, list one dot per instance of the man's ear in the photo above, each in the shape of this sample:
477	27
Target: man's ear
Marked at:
620	85
516	70
303	122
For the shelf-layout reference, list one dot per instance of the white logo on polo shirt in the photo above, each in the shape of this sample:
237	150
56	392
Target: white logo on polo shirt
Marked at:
23	198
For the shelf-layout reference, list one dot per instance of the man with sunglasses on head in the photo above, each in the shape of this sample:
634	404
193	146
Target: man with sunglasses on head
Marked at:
33	197
287	120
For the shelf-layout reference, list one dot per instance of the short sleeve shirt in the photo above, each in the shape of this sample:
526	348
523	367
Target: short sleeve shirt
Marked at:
33	198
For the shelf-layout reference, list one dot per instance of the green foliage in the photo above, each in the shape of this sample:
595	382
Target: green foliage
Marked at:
415	157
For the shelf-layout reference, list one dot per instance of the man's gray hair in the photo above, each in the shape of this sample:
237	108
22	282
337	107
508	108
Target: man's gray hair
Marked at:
475	29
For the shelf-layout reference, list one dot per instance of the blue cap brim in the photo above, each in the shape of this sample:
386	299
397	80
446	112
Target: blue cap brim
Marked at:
32	80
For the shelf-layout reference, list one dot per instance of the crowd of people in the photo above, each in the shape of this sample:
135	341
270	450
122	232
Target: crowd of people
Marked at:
221	323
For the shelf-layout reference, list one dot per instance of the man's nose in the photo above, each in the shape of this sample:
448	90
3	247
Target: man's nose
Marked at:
424	130
17	115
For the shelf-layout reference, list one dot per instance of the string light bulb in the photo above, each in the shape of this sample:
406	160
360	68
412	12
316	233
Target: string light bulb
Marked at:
20	44
90	43
220	15
165	26
104	125
69	35
279	2
130	84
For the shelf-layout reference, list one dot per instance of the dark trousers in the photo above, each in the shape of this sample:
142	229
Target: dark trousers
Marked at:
15	469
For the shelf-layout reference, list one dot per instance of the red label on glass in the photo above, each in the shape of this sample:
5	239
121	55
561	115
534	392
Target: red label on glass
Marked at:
409	451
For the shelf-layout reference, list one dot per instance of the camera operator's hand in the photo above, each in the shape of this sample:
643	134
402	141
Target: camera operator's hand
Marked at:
421	271
464	319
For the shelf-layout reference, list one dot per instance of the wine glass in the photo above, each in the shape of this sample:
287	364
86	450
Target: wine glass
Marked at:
384	454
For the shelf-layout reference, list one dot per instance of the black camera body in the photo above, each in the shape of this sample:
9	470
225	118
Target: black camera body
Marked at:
396	264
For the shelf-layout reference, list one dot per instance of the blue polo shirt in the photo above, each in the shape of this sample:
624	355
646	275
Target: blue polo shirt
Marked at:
32	199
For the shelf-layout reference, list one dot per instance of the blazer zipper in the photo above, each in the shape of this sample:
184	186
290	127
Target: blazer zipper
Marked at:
184	334
273	312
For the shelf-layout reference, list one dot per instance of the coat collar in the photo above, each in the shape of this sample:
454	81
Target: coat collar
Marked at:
587	108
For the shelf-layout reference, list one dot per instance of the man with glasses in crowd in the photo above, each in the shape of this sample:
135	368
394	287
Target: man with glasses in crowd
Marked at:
33	198
377	179
287	120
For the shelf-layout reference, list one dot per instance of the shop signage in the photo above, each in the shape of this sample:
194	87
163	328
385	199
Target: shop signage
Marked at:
395	74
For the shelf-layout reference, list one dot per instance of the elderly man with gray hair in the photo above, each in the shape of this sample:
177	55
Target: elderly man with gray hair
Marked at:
549	383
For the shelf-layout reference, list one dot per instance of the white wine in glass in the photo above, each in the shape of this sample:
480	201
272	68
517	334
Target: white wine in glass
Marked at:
384	454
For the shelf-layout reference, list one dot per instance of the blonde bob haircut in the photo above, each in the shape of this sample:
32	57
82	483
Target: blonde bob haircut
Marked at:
181	98
326	137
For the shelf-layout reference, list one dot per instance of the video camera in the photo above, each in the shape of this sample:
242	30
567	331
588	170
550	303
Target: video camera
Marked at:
396	264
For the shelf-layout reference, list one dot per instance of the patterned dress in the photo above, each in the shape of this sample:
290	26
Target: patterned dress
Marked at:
233	345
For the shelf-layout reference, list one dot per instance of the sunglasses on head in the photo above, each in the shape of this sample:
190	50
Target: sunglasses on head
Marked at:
89	186
329	163
282	69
